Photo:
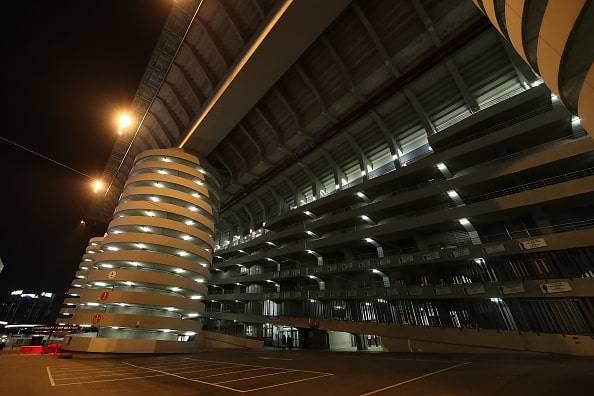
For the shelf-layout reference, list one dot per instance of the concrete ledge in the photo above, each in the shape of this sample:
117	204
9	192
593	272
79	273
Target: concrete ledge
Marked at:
122	345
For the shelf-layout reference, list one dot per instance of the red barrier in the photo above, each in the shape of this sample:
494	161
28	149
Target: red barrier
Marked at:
52	349
31	350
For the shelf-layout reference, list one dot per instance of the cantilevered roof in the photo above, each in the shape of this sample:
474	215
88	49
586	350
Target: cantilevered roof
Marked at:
329	97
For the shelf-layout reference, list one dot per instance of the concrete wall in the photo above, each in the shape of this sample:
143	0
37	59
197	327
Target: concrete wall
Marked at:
211	339
397	338
340	341
119	345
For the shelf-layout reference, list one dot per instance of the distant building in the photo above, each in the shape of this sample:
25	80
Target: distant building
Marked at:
24	307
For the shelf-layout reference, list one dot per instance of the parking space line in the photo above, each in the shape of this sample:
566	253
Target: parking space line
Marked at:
287	383
79	370
88	371
172	364
251	365
233	372
415	379
124	371
113	369
255	376
185	378
198	371
102	372
49	375
422	360
112	379
101	375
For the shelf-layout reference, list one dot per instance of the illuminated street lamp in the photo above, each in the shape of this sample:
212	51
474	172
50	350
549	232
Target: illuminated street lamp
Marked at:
97	186
124	121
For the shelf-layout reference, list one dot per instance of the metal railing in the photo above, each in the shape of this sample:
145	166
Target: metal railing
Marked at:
539	231
532	185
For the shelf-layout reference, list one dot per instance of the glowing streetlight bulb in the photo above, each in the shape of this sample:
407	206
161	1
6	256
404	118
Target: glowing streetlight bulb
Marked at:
97	186
124	121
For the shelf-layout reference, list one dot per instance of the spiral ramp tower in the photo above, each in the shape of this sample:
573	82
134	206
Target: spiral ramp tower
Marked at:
554	39
141	284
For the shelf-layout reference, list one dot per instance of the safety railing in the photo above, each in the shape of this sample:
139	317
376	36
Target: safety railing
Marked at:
532	185
539	231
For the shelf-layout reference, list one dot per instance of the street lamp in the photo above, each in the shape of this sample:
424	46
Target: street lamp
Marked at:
97	185
124	121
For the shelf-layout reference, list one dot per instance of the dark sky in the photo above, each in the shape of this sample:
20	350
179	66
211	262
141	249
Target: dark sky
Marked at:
67	67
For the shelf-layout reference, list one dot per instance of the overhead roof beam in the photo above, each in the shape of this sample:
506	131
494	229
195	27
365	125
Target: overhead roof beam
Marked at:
208	73
316	184
233	179
412	98
456	42
279	139
359	95
316	92
180	98
232	22
338	173
450	65
362	157
214	45
263	207
274	49
300	129
259	146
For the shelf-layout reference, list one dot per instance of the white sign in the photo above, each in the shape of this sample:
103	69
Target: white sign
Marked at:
112	274
533	244
556	287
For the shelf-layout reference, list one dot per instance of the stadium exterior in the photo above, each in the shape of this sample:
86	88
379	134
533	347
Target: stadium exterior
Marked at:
396	175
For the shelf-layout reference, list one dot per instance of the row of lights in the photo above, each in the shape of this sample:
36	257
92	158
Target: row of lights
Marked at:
124	121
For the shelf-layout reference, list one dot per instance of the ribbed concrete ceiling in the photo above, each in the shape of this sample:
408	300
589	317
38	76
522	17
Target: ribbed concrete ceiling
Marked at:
370	88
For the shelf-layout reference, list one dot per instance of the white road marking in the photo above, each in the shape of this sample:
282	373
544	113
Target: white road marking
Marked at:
282	370
89	370
416	378
197	371
129	371
271	358
255	376
175	364
251	365
287	383
232	372
99	375
421	360
179	376
112	379
49	374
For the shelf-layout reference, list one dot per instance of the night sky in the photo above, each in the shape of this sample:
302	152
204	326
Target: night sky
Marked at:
67	67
